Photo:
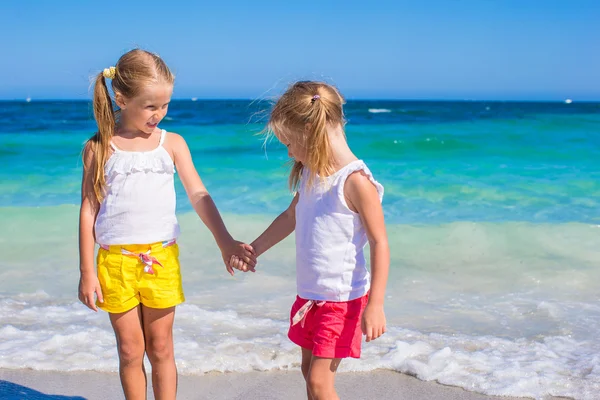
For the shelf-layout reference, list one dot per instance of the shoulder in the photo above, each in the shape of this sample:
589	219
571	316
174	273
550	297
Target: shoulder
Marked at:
359	182
360	189
90	147
91	143
178	149
174	142
174	138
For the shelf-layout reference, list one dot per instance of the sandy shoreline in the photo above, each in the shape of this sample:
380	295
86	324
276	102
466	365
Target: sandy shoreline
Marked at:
276	385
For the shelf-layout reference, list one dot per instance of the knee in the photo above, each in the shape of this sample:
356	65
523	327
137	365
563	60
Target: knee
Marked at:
131	352
160	349
319	387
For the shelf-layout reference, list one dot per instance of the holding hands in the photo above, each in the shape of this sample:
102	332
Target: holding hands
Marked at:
238	255
243	264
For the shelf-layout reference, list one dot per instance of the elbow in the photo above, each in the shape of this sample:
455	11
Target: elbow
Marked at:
290	216
199	196
290	213
380	248
287	221
381	243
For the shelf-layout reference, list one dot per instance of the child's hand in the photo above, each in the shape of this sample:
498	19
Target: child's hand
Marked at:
243	253
88	286
239	264
373	322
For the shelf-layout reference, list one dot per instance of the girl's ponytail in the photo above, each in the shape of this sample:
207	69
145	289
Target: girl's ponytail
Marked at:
100	142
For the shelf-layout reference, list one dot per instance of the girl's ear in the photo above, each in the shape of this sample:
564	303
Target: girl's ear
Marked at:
120	100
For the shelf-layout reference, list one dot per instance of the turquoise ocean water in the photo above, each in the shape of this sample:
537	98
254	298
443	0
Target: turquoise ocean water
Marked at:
493	212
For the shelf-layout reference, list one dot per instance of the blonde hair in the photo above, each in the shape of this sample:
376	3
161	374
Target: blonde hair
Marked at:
307	108
134	70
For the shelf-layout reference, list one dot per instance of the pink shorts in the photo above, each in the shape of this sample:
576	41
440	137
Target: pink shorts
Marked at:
330	329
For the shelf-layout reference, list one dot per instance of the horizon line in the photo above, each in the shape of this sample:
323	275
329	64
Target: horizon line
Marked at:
197	99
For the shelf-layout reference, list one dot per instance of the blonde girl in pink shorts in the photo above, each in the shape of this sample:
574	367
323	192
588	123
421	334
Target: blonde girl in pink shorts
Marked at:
335	211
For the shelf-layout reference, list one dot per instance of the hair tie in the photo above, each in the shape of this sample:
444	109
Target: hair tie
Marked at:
109	72
315	97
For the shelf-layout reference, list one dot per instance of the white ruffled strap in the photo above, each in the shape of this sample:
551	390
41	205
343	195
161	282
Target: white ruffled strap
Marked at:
354	166
124	163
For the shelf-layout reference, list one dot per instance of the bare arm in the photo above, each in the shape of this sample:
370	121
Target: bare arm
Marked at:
279	229
88	281
205	206
362	198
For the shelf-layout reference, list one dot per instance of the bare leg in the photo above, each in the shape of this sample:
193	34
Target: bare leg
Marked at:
306	360
158	329
130	345
321	378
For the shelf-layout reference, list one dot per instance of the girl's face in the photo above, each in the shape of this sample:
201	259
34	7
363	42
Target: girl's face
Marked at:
295	146
144	111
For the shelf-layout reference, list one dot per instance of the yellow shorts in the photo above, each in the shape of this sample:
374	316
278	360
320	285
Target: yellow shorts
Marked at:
125	283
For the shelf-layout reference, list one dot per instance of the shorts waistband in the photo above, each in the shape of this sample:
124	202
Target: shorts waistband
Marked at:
301	313
137	248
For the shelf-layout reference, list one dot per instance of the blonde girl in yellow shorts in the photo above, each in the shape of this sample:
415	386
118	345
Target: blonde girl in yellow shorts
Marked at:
128	209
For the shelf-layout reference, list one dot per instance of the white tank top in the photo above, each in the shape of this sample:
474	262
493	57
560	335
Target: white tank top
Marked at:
330	239
139	201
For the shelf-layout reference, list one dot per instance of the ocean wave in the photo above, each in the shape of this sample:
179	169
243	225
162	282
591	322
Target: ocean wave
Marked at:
498	308
70	338
379	110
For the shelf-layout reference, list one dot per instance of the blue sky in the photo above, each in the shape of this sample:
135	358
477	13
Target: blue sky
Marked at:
444	49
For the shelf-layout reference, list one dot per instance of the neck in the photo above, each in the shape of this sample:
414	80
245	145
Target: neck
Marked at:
124	129
341	153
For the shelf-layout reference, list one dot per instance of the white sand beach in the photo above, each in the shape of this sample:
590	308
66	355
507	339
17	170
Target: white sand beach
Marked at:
380	384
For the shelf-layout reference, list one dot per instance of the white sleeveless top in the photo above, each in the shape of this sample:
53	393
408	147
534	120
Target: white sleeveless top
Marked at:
139	201
330	239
